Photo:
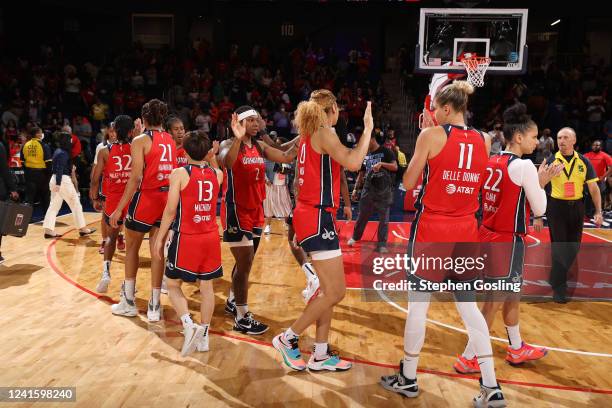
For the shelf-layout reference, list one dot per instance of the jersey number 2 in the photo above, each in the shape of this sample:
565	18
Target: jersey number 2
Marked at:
496	183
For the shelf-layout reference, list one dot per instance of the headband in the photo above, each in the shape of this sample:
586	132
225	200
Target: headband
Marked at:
246	114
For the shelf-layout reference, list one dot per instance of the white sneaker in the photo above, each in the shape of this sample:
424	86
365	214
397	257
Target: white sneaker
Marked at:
124	308
202	345
103	284
267	229
351	242
154	312
164	287
312	289
193	333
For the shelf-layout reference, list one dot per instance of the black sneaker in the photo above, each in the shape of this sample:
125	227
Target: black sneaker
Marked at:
1	259
489	397
248	325
230	308
400	384
559	297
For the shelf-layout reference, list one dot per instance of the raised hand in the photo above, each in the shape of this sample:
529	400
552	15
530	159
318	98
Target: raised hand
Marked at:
138	126
238	128
547	171
368	121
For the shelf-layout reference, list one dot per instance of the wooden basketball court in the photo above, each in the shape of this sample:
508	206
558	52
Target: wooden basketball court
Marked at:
56	331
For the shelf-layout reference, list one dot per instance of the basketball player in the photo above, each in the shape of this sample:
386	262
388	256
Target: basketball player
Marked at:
194	251
509	180
153	159
110	136
113	166
175	127
319	163
242	216
452	158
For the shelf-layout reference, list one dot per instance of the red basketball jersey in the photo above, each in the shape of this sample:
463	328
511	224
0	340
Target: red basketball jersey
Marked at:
452	179
181	157
318	177
197	206
246	180
504	205
117	168
159	162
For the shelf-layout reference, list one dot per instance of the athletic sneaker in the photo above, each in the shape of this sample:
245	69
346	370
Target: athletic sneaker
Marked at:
312	289
164	286
125	307
525	353
267	229
248	325
154	312
104	282
1	259
331	362
202	345
193	334
351	242
230	307
289	351
465	366
399	384
489	397
120	243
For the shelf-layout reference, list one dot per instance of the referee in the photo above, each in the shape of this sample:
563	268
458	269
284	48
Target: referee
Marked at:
35	156
565	211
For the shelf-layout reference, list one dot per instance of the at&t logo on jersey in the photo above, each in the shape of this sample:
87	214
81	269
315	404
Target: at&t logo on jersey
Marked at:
197	219
328	234
451	189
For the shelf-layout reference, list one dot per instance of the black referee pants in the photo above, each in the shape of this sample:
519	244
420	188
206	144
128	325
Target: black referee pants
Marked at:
565	221
37	186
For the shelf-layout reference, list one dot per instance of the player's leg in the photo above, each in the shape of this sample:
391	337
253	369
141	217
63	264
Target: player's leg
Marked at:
312	280
126	305
109	251
154	308
191	331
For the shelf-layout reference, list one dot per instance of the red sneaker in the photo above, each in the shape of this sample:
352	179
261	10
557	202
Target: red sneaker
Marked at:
525	353
465	366
120	243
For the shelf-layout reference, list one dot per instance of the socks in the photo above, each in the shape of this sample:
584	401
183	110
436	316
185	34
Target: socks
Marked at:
130	288
290	334
469	352
156	294
106	270
410	367
230	297
514	336
186	320
320	350
241	311
487	371
205	326
309	271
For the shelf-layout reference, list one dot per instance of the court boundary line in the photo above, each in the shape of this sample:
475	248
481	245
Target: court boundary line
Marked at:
59	272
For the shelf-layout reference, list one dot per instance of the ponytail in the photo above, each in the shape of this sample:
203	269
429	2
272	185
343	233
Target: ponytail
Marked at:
309	117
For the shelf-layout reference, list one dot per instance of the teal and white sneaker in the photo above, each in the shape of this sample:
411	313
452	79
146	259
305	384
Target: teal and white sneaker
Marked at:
289	351
331	362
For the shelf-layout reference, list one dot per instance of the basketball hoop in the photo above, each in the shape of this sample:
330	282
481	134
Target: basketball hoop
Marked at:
476	67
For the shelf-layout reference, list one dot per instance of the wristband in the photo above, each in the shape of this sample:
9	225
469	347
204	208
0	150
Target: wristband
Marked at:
539	217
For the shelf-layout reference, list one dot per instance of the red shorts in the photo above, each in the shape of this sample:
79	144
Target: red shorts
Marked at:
146	209
315	228
194	256
504	254
239	221
110	205
447	247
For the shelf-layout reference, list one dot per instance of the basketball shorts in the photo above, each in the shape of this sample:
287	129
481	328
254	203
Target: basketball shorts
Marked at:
315	229
504	254
110	205
444	249
146	209
193	257
241	223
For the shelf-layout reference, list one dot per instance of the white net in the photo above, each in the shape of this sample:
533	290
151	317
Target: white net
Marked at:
476	68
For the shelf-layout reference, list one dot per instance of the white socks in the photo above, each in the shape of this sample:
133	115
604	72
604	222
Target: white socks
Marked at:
186	320
156	294
414	332
106	268
320	350
241	311
205	326
290	334
514	337
130	288
309	271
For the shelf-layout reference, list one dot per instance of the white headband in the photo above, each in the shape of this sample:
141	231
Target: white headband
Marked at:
246	114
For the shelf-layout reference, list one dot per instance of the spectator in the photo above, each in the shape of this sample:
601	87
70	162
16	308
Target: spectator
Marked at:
35	156
82	128
99	114
7	187
281	122
497	139
602	163
546	144
390	139
402	165
62	189
377	194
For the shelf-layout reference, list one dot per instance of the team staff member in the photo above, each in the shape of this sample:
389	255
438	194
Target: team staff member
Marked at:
35	157
565	210
602	163
153	159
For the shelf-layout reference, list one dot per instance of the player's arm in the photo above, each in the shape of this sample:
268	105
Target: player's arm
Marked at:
487	141
228	152
350	159
137	153
419	158
277	155
284	147
211	157
96	173
177	183
219	175
591	182
348	211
